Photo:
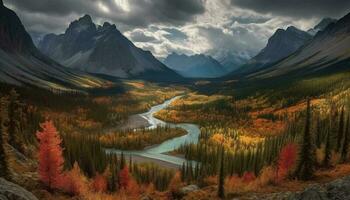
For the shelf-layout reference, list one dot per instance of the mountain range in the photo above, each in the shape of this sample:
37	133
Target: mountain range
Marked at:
23	64
103	50
280	45
327	52
195	66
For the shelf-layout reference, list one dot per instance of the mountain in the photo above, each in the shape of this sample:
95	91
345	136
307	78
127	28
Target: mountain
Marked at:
328	52
36	37
280	45
23	64
321	26
103	50
196	66
229	60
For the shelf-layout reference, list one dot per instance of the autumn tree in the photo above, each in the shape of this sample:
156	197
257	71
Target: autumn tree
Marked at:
286	160
305	168
248	177
50	155
175	183
124	178
74	182
99	183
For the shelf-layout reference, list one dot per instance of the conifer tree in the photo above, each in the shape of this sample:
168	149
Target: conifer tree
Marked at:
344	154
14	113
221	190
50	155
327	149
305	168
340	130
3	160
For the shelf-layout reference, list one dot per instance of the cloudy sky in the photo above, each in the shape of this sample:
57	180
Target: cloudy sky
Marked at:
215	27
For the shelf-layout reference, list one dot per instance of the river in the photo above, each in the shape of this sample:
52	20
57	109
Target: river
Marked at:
158	152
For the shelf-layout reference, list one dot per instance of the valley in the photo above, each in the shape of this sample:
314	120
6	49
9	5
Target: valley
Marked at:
152	100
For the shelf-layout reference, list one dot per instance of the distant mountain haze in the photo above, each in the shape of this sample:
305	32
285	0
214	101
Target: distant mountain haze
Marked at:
105	50
195	66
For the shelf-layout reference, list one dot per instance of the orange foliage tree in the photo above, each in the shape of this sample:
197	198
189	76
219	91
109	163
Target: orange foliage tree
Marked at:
286	160
50	155
99	183
74	182
248	177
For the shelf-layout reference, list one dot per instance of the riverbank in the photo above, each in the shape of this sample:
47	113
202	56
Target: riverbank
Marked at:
156	153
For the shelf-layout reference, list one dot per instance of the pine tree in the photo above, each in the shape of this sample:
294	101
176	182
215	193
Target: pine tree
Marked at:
122	161
340	130
14	113
3	160
50	155
305	168
327	149
344	154
221	190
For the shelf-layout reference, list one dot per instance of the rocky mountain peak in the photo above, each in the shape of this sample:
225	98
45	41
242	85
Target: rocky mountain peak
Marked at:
85	19
84	23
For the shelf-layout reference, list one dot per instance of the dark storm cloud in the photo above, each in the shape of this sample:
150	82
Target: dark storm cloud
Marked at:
141	12
297	8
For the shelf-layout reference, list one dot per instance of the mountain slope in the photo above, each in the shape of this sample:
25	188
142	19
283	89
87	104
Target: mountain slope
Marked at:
22	64
280	45
103	49
321	26
328	51
196	66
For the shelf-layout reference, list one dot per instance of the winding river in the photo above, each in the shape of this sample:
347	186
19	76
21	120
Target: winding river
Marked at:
157	152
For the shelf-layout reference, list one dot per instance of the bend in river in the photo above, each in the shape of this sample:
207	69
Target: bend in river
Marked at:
156	152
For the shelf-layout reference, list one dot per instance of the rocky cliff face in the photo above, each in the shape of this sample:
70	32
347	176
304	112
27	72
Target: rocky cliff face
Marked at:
11	191
336	190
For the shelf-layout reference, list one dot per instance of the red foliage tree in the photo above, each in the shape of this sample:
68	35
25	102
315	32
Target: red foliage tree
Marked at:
248	177
124	178
50	155
99	183
286	160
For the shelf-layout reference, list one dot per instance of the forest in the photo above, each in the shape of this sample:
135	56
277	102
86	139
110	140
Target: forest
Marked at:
238	151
